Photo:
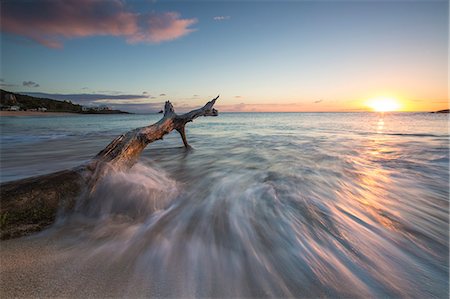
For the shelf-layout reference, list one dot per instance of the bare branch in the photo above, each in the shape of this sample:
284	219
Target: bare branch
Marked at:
49	193
126	149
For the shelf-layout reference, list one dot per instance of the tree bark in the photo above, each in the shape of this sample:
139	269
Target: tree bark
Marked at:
126	149
31	204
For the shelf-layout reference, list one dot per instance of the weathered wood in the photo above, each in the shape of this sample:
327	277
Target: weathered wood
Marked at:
126	149
31	204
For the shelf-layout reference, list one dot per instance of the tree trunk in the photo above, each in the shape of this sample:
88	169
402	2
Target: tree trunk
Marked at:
31	204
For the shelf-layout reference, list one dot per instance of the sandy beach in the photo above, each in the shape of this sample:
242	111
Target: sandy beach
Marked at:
35	113
43	267
285	217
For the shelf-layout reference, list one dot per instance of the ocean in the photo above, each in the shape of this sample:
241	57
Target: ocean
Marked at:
265	205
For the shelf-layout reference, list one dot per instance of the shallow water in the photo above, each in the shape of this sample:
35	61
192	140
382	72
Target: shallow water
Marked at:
268	204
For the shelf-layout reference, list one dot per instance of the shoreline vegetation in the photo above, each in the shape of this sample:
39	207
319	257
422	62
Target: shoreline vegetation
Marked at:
35	113
57	113
442	111
15	104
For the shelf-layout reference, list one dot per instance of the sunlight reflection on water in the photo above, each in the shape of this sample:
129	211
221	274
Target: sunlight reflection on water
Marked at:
279	205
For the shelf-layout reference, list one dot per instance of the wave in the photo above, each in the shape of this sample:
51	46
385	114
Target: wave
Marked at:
416	135
257	234
284	210
15	139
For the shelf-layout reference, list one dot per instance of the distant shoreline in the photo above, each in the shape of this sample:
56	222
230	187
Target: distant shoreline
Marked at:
35	113
47	113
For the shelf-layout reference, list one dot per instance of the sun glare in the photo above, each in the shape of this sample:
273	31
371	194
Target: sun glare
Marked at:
384	104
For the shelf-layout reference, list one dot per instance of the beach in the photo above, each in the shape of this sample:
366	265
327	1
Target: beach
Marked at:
247	149
295	203
37	267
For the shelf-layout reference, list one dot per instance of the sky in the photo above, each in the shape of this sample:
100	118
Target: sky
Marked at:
258	55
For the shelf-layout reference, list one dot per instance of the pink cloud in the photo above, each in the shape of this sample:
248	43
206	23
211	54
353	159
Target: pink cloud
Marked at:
50	22
163	27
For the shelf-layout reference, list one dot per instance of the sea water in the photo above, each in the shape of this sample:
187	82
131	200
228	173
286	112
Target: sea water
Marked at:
265	205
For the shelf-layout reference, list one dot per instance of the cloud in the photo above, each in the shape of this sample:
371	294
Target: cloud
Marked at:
30	84
261	107
162	27
162	95
221	18
3	84
139	108
50	22
140	103
115	92
318	101
91	98
238	97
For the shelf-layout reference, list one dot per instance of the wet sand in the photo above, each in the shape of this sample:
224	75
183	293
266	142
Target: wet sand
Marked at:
298	206
35	113
44	267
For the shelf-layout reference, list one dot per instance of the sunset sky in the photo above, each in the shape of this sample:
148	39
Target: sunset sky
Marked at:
259	56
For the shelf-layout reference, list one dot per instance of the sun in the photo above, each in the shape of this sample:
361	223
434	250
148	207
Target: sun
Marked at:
383	104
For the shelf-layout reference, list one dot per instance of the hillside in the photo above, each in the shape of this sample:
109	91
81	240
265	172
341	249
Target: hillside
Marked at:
24	102
442	111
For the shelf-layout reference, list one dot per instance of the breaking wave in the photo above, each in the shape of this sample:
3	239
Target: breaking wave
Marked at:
273	207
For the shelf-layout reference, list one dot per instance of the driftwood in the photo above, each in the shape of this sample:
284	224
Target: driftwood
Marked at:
31	204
